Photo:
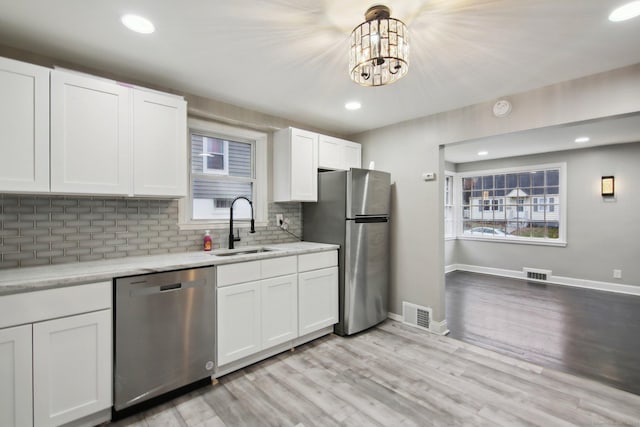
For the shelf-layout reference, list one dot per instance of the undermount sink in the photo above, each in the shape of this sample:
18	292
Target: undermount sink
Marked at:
241	251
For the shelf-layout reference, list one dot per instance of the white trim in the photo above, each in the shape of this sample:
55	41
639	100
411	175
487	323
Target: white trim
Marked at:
553	280
394	316
516	240
450	268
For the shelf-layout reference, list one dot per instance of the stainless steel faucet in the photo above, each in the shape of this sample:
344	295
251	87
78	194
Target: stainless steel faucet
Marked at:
233	238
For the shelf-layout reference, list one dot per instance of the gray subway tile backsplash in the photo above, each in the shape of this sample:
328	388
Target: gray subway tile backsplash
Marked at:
42	230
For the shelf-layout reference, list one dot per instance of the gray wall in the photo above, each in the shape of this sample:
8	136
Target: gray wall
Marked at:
410	148
602	234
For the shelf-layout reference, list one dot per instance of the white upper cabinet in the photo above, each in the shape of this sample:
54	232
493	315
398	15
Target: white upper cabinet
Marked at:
338	154
160	144
24	127
352	155
295	164
90	135
108	138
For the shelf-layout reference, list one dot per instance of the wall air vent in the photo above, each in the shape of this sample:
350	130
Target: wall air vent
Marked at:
537	274
416	315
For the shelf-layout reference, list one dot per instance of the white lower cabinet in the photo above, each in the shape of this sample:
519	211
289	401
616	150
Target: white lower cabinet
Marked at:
71	367
317	299
279	306
16	404
256	315
55	368
264	304
238	321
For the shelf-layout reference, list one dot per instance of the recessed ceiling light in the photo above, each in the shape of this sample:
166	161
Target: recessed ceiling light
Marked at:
482	153
582	139
626	11
352	105
138	24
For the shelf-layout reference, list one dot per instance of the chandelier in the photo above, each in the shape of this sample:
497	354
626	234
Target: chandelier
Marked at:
379	53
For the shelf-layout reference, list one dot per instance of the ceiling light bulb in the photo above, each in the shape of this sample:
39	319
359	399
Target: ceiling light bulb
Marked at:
582	139
624	12
352	105
482	153
138	24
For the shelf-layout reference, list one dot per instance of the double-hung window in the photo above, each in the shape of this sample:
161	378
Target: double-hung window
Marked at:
449	211
526	204
225	162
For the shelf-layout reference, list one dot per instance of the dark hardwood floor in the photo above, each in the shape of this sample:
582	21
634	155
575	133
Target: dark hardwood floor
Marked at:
590	333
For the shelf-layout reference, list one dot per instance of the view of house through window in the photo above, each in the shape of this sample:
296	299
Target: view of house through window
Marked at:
221	170
520	204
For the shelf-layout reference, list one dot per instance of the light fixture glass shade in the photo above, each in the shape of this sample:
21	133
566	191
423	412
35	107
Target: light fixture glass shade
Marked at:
379	49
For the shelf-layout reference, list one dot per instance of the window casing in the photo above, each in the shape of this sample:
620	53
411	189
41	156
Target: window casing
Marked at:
449	206
523	205
225	162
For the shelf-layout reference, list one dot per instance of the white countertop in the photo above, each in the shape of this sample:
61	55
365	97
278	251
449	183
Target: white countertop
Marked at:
52	276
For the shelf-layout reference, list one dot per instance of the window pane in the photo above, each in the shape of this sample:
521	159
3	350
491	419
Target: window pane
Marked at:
211	198
553	177
487	182
512	181
214	145
499	181
537	179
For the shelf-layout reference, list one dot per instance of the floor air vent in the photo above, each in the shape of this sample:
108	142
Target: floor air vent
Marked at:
416	315
537	274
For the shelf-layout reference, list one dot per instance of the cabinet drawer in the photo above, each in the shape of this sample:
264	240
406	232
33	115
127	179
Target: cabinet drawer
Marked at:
28	307
316	261
279	266
241	272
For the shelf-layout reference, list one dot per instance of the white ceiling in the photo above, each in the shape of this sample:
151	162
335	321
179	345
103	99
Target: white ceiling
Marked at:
289	57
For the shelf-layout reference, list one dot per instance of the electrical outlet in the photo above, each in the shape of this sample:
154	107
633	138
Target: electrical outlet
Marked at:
279	219
285	224
617	274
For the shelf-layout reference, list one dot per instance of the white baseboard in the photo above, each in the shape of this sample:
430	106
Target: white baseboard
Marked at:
438	328
555	280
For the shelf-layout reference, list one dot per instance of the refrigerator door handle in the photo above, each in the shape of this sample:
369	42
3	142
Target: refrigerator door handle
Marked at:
369	219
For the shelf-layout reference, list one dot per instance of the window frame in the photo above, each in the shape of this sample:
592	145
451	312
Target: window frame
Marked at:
561	203
450	205
259	159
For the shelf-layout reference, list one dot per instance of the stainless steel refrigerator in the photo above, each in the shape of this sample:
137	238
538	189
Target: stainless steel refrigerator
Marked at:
353	212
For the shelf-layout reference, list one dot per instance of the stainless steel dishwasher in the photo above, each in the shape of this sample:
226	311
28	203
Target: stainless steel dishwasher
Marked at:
164	333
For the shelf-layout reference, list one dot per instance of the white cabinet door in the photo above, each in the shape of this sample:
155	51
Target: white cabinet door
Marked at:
24	127
160	144
295	166
90	135
16	408
71	367
317	299
279	310
352	155
238	322
304	166
329	152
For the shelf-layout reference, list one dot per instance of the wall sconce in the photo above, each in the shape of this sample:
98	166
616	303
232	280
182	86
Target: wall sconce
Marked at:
608	185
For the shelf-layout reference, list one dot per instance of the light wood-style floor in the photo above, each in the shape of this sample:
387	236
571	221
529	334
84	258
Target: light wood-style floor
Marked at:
396	375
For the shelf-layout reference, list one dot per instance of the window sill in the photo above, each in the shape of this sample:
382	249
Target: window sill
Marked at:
219	225
557	243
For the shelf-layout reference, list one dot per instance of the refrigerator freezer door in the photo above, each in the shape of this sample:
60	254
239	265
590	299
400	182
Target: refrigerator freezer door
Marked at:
368	192
366	276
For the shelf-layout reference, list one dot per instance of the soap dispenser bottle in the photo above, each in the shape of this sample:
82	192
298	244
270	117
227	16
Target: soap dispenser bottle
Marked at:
208	244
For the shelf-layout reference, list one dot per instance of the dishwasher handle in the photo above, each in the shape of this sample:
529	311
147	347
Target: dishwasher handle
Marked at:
165	288
158	289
